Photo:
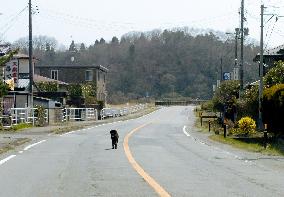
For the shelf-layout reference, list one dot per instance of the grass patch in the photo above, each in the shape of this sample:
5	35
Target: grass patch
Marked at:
21	126
17	127
252	145
14	143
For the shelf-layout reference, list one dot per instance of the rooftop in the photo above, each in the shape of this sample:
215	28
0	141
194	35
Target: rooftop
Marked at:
275	51
100	67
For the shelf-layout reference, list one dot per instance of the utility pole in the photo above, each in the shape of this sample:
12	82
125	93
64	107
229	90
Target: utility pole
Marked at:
260	94
242	49
221	70
236	46
31	73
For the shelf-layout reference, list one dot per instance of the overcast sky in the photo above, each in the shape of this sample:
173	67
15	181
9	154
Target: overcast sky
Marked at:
88	20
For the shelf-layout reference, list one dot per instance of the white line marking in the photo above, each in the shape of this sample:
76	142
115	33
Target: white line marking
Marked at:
32	145
20	152
185	132
216	148
7	159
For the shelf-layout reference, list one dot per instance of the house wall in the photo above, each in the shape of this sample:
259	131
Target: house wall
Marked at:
68	75
21	101
77	75
101	85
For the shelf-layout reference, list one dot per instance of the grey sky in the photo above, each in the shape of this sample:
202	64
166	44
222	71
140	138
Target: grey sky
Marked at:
88	20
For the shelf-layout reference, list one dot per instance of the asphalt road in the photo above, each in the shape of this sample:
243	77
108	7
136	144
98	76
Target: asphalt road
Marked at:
158	152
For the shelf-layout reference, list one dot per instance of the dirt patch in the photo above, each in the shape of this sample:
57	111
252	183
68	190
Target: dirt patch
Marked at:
67	129
10	144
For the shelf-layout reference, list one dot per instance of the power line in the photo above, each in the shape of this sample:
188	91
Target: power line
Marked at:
90	23
270	33
11	22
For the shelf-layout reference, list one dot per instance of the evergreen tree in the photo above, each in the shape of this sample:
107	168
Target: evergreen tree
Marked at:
102	41
72	47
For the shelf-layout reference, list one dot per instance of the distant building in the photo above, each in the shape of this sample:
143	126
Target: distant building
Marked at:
77	74
17	70
271	56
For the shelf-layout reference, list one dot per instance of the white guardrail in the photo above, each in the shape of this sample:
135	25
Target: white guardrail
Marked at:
28	115
70	114
116	112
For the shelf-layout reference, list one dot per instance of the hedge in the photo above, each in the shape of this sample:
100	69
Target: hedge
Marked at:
273	108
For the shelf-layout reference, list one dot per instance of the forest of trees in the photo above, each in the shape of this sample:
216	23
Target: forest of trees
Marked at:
159	64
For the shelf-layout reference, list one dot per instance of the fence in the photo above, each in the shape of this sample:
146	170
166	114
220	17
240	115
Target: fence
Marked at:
22	115
115	112
29	115
79	114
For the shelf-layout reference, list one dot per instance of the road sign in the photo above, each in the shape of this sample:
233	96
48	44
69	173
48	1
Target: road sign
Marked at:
226	76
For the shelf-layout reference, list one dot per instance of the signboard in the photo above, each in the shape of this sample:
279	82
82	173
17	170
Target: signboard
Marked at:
11	71
226	76
24	75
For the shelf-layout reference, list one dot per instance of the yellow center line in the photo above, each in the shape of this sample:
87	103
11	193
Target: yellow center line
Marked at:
161	191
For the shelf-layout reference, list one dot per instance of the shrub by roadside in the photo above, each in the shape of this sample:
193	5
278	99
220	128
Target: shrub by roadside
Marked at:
246	127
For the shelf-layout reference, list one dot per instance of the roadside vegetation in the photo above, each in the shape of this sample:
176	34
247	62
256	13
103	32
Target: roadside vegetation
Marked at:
238	116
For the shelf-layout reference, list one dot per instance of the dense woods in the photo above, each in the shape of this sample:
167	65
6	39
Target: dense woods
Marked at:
155	64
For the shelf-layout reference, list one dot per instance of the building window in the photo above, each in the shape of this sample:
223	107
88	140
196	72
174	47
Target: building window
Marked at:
89	75
54	74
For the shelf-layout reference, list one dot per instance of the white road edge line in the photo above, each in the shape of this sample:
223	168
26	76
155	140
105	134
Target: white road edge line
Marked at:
6	159
32	145
216	148
185	132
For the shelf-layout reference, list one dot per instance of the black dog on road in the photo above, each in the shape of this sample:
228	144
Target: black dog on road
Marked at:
114	138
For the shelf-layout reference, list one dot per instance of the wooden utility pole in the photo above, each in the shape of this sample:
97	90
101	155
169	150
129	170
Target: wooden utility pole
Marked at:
31	73
236	46
242	49
260	95
221	69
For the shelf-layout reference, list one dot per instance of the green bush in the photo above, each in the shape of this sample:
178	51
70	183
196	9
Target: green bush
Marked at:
273	108
47	86
21	126
275	75
225	98
246	127
207	106
40	114
248	105
75	90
